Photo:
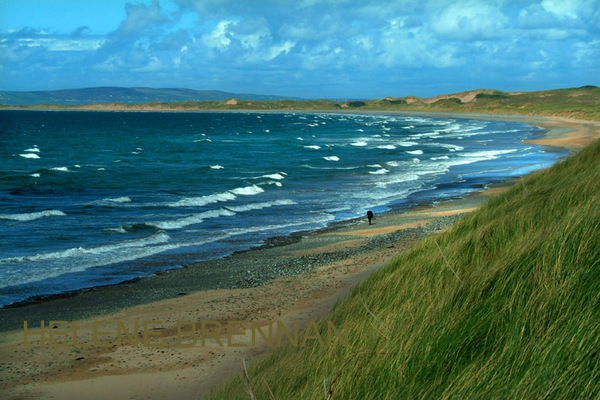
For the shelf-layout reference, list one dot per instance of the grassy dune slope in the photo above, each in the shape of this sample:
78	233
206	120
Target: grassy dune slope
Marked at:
581	103
521	320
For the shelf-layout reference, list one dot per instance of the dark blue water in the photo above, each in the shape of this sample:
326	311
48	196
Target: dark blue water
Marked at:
93	198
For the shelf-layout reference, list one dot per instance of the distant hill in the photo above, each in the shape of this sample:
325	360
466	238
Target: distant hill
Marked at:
135	95
580	103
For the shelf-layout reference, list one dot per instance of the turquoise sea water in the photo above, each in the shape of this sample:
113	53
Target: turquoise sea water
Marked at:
95	198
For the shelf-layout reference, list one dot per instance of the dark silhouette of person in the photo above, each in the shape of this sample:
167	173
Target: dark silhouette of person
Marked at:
369	216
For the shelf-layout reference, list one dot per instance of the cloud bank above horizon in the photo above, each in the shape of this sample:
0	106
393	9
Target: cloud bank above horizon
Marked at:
307	48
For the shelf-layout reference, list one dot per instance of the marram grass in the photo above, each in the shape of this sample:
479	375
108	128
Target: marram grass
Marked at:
520	319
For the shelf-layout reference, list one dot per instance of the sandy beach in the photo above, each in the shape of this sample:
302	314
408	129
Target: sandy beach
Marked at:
289	280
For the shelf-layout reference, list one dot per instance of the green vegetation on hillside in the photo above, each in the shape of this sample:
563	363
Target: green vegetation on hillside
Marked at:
520	319
582	103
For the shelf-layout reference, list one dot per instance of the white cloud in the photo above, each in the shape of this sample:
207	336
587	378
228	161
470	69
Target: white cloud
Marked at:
218	37
562	8
469	21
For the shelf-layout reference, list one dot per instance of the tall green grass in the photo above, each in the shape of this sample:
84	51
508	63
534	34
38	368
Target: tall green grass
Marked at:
521	320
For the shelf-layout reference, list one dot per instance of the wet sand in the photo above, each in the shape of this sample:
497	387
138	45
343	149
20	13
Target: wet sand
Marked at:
293	279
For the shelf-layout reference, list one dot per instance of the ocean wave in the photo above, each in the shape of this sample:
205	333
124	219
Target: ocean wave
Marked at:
387	147
118	200
118	229
415	152
487	154
36	175
260	206
191	219
32	150
29	155
248	190
62	169
312	147
157	238
216	167
33	216
277	176
397	179
407	144
359	143
331	158
203	200
379	171
451	147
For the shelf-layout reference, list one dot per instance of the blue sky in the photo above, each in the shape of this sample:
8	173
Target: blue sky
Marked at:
305	48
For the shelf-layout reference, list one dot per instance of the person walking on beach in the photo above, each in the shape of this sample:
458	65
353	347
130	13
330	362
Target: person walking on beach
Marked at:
369	216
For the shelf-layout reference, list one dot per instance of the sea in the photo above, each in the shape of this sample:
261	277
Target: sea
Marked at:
96	198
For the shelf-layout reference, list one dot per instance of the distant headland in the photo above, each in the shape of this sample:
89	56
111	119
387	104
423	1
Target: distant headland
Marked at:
579	103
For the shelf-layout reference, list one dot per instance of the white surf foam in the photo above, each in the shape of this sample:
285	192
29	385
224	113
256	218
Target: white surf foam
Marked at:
379	171
331	158
359	143
276	176
203	200
407	144
415	152
387	147
62	169
33	216
313	147
157	238
260	206
32	150
216	167
248	190
191	219
29	155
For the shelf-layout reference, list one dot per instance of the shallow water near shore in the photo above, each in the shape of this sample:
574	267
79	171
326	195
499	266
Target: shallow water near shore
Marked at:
93	198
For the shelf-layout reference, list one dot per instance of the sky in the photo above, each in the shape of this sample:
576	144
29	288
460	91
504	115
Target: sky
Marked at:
359	49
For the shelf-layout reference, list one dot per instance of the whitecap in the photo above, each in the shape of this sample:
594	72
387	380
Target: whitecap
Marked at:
260	206
191	219
33	216
379	171
216	167
32	150
29	155
248	190
36	175
274	176
62	169
157	238
407	144
203	200
331	158
299	138
415	152
360	144
313	147
387	147
118	200
118	229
